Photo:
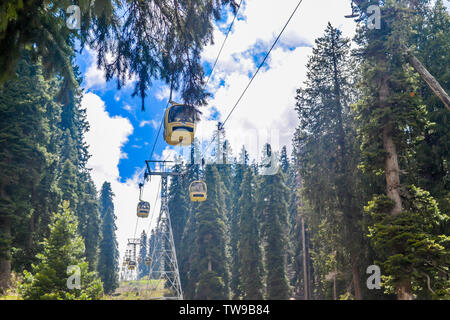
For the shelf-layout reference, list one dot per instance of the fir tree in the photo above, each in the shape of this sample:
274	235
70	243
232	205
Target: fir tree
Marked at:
210	260
271	207
108	262
328	150
239	169
177	202
90	225
63	249
24	138
249	251
188	255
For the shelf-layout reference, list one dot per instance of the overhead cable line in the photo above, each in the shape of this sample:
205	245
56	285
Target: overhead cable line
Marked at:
262	63
257	70
223	43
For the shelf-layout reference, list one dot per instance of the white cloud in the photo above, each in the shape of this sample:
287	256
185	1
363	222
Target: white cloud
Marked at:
268	105
128	107
153	123
163	93
106	137
95	78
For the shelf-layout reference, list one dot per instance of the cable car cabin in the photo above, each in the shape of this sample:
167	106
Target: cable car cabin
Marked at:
143	209
179	125
197	191
148	261
131	265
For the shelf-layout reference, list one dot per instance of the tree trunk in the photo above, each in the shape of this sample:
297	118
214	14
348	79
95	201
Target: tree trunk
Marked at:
427	77
356	282
5	262
404	290
334	287
305	274
391	167
392	170
392	173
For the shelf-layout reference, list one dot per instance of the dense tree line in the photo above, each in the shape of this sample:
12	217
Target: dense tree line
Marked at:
232	245
43	165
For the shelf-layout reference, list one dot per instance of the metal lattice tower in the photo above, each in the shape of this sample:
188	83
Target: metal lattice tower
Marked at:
130	256
164	274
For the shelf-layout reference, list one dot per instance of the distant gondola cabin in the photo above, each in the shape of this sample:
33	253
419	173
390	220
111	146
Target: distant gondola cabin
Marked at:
197	191
132	265
179	125
148	261
143	209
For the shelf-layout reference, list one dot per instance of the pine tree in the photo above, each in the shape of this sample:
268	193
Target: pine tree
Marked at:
239	168
328	151
188	255
108	262
210	259
177	202
63	249
271	206
249	251
24	138
88	213
432	38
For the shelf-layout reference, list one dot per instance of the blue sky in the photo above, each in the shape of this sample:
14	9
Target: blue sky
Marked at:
121	135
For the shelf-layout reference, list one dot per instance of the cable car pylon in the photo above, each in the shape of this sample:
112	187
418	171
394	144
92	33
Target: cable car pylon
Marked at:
164	277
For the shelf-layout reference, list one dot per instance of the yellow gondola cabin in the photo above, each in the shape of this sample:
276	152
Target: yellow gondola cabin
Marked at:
197	191
131	265
179	125
143	209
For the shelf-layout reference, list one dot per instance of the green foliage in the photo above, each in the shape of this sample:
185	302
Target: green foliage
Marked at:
249	250
327	156
152	40
178	203
209	259
271	206
27	132
396	104
431	40
43	162
108	262
235	216
410	244
210	287
63	248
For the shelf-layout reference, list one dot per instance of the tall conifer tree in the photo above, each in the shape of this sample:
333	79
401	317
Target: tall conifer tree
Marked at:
108	263
249	250
210	260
